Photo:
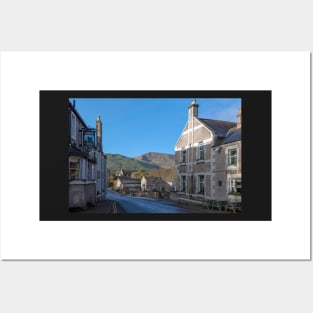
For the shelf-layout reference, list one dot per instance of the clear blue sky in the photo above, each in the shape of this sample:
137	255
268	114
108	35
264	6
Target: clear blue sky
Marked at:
132	127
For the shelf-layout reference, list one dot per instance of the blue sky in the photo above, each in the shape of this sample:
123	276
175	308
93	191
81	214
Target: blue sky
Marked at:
132	127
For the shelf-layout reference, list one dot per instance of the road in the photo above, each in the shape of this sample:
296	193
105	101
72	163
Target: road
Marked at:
143	205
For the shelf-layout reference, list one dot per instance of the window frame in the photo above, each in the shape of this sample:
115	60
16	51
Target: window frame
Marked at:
184	155
201	184
78	169
233	185
201	151
183	183
232	159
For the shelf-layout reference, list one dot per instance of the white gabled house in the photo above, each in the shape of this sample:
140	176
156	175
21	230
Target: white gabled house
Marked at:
126	184
152	183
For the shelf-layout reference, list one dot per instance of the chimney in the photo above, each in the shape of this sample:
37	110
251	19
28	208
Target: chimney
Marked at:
239	118
99	134
193	109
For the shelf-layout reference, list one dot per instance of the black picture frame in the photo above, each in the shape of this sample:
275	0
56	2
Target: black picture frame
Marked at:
256	154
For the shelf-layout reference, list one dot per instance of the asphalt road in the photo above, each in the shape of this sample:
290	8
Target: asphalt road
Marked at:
143	205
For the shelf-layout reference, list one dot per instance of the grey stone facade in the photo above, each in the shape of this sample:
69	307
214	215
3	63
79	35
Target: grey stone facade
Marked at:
202	156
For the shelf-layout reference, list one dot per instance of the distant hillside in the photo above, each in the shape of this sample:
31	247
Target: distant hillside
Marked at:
117	161
167	174
157	164
163	160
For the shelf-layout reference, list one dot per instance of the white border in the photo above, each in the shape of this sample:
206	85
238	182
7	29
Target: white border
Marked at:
23	74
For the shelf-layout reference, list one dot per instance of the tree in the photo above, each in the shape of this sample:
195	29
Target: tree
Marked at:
112	178
139	173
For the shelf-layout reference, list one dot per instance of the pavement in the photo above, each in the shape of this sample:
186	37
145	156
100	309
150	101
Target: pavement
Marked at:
103	207
197	208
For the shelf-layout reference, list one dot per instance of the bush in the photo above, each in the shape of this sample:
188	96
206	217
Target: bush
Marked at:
233	193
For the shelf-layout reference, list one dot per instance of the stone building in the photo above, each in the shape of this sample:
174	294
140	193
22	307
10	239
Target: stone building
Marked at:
151	183
87	163
126	184
208	158
125	173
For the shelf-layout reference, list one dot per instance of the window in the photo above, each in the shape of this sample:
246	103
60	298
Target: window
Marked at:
232	157
78	169
201	151
238	185
184	156
74	172
183	183
73	126
235	185
201	184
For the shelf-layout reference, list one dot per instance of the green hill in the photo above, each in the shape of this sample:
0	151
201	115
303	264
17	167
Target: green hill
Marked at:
163	160
157	164
117	161
167	174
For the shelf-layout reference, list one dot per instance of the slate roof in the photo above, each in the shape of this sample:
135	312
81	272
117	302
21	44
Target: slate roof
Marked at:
234	134
220	128
128	180
126	173
75	151
153	179
72	107
225	132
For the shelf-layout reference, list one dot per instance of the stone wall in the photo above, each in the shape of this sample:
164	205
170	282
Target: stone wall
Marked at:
201	167
201	133
81	194
213	167
183	141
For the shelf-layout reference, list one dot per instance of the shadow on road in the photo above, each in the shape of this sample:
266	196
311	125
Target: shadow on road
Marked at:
102	207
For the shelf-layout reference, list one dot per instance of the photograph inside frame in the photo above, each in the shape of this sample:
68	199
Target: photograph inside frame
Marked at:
156	155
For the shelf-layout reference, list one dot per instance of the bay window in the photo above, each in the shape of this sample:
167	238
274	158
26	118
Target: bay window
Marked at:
74	168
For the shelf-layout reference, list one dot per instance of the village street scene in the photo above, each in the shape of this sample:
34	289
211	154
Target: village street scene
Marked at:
194	167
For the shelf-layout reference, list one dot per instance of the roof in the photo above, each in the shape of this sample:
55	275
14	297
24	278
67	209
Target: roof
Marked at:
220	128
128	180
74	151
126	172
152	179
234	134
72	107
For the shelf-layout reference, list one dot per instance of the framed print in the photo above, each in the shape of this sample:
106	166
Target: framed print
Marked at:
211	158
